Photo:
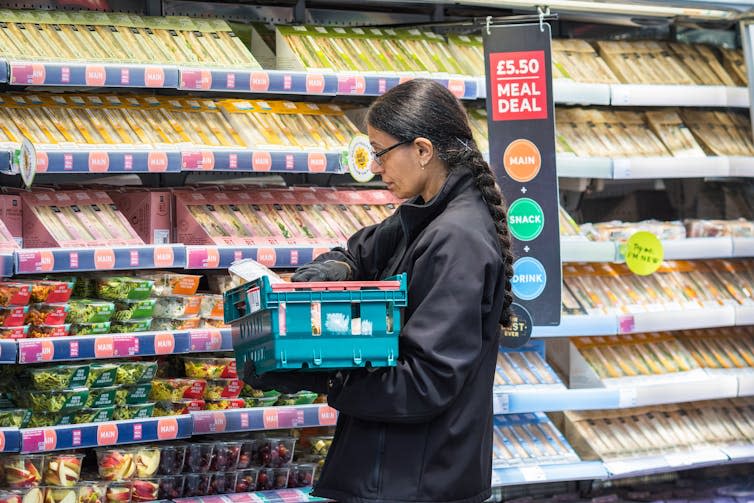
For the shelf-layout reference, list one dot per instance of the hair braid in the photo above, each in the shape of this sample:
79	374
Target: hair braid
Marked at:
471	158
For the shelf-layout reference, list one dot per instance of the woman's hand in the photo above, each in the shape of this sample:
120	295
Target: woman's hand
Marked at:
329	270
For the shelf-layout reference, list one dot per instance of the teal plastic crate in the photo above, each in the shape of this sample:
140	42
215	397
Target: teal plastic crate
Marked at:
322	325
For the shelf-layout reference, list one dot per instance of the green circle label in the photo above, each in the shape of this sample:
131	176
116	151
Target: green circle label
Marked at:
525	219
644	253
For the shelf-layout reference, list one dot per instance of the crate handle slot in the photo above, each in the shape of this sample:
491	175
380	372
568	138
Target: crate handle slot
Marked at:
283	358
317	360
336	285
357	359
390	357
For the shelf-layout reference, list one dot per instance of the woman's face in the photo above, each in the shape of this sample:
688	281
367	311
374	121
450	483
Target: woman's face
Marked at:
399	168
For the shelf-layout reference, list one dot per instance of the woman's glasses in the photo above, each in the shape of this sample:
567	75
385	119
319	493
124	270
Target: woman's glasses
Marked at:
377	156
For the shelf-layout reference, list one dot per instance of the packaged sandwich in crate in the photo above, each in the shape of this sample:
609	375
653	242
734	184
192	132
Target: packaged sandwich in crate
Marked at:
319	325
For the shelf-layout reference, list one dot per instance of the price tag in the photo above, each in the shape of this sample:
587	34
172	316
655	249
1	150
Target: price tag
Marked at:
533	473
502	403
627	397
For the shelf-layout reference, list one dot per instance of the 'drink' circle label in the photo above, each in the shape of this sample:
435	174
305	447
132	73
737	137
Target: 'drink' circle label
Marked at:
529	278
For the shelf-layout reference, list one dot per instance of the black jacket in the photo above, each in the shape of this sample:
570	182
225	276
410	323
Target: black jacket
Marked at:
422	431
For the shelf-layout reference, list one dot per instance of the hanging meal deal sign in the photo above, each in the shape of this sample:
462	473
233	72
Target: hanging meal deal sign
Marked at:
521	122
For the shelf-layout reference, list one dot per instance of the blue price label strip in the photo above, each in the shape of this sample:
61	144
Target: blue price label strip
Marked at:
3	71
8	351
221	257
96	161
261	161
105	434
258	81
263	418
10	440
7	262
23	73
95	259
102	346
205	340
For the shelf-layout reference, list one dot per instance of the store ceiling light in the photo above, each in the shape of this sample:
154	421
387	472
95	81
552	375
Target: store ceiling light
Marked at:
616	8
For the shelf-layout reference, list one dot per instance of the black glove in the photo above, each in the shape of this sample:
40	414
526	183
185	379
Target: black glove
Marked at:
285	381
329	270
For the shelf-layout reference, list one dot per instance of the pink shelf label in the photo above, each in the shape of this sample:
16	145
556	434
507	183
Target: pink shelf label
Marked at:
36	261
204	423
206	340
626	324
203	258
30	73
125	345
35	351
196	79
290	418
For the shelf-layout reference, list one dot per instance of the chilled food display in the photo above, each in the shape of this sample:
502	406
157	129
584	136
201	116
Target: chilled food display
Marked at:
120	38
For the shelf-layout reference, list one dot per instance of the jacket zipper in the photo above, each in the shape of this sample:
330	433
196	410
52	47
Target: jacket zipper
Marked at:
378	464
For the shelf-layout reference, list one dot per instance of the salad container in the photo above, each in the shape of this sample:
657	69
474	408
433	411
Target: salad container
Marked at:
123	288
134	309
58	377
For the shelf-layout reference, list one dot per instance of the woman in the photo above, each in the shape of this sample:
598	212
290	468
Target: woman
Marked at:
422	430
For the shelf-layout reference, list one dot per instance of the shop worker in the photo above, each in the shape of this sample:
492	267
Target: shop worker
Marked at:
420	431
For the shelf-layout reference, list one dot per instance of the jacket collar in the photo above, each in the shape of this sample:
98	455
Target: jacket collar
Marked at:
416	214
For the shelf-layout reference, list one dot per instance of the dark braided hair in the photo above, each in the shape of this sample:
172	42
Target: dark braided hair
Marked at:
424	108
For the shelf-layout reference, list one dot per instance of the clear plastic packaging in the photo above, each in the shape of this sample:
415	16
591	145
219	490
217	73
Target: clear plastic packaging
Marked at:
225	456
63	470
198	457
175	324
274	452
171	487
222	483
177	408
101	375
58	377
209	368
123	288
131	326
46	331
53	401
46	314
168	283
246	480
101	397
269	479
90	328
135	411
218	389
130	373
172	458
23	471
177	389
301	475
195	484
89	311
177	307
116	464
134	309
118	492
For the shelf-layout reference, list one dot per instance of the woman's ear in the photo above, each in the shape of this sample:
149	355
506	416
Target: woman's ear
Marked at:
425	150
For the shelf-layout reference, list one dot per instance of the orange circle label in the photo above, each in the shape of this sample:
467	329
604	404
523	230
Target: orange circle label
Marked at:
157	162
95	75
164	343
99	162
267	256
167	429
213	257
107	434
259	81
50	439
2	441
43	162
104	258
46	261
261	161
163	256
522	160
220	422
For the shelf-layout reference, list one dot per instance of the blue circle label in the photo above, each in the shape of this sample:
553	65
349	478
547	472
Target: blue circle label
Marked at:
529	278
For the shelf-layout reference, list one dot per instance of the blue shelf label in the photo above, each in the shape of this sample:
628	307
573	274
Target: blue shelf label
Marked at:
25	73
95	259
258	81
102	346
103	434
10	440
221	257
6	265
263	418
8	351
97	161
247	160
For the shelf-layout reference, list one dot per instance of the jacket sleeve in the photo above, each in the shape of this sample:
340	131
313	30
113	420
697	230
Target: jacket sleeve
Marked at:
440	344
369	249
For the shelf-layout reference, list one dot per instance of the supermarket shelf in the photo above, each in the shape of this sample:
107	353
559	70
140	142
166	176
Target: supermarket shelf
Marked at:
743	247
206	340
528	474
33	261
88	347
263	418
673	95
79	436
746	384
669	167
8	351
554	399
258	81
312	83
569	166
739	453
632	467
279	496
221	257
697	248
583	250
579	325
744	315
287	161
741	166
7	262
10	440
129	159
685	319
52	73
576	93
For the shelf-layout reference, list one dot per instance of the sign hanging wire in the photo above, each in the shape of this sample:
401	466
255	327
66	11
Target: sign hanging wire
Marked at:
542	13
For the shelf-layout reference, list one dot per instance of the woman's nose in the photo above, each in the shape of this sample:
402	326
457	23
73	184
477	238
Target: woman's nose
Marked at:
375	167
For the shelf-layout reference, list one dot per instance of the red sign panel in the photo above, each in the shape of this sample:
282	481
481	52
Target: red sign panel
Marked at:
518	85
